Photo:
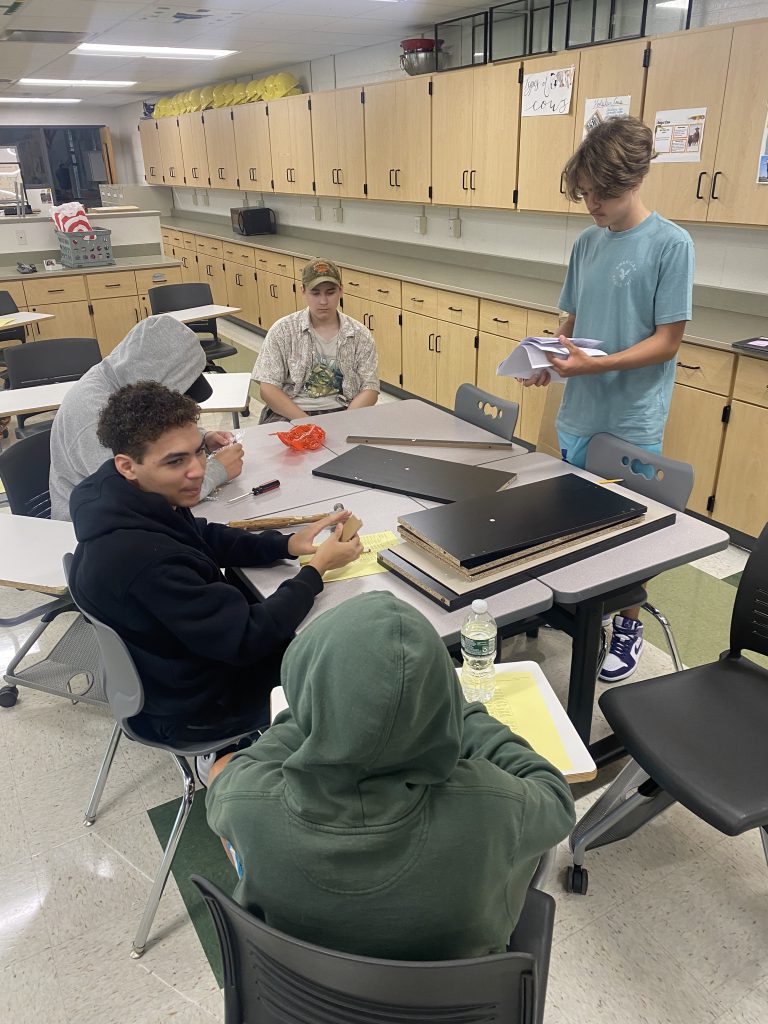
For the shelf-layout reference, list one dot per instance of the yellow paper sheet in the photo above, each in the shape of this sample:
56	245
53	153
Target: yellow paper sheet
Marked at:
366	564
518	703
7	323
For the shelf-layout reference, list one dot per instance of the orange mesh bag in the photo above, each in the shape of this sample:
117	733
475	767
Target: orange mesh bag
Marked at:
306	437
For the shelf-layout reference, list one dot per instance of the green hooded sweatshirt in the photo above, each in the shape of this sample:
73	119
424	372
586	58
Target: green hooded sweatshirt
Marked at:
383	815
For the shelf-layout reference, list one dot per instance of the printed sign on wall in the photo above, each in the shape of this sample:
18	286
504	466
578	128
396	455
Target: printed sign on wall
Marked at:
548	92
678	135
601	108
762	161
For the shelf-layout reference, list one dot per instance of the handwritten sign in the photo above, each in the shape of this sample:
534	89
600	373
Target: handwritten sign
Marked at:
603	107
548	92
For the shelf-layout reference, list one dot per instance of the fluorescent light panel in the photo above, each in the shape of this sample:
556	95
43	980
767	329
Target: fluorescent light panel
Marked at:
162	52
33	99
78	82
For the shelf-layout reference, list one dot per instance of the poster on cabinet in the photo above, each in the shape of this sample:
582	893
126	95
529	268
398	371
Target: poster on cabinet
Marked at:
762	160
678	135
548	92
601	108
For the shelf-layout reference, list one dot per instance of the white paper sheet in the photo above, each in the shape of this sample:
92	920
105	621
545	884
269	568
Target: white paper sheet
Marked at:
548	92
530	356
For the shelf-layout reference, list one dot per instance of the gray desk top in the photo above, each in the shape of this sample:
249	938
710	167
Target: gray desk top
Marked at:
410	418
31	553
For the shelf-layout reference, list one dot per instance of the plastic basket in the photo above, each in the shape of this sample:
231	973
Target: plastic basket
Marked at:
86	248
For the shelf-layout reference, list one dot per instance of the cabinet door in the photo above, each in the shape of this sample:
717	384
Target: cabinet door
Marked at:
490	353
71	320
190	270
113	318
302	162
170	151
742	486
532	412
193	149
254	158
276	298
413	140
452	116
350	133
419	358
456	360
280	144
495	129
220	145
242	291
356	307
384	325
688	69
736	197
150	152
546	143
380	129
212	272
615	69
325	143
699	446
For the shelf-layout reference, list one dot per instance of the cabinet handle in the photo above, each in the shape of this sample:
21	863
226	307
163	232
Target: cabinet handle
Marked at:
391	172
712	193
397	179
339	174
283	265
333	176
370	322
472	180
429	342
562	190
550	333
287	174
464	175
497	321
353	284
238	281
456	309
54	291
687	366
252	173
414	299
383	291
151	172
194	172
171	172
113	286
437	339
137	315
702	175
262	261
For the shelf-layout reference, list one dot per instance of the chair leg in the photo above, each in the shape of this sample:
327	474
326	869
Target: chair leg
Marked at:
188	779
664	623
764	838
101	779
603	652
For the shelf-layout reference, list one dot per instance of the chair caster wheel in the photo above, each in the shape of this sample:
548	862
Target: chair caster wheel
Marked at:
245	412
8	696
577	880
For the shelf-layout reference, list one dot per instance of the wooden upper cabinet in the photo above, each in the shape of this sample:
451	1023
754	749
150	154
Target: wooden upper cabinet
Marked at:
688	69
617	69
735	196
290	133
280	144
350	132
325	143
171	156
496	122
220	145
452	117
398	140
546	143
150	152
193	149
254	157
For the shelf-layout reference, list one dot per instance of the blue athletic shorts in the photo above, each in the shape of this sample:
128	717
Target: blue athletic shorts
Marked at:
574	448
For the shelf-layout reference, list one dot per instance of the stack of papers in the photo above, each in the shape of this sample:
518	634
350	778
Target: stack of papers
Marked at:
530	356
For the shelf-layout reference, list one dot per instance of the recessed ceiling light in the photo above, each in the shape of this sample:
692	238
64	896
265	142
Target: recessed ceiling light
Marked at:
79	82
33	99
162	52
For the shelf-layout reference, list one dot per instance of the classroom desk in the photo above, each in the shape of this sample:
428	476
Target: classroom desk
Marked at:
194	313
21	319
230	394
410	418
31	553
42	398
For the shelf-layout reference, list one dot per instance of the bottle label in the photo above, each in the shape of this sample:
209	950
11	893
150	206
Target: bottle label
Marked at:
478	647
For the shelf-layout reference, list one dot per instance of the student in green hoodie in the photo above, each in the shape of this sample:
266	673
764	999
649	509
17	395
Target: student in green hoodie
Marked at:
382	815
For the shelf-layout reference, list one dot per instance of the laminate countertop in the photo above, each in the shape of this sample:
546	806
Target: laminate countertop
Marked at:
8	272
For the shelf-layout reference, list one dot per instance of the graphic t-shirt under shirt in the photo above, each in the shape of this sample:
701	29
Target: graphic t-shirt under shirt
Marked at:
322	388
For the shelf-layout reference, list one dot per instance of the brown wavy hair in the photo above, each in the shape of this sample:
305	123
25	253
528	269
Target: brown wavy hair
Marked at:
614	157
138	414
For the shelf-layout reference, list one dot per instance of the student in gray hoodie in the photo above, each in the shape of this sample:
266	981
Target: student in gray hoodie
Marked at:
159	349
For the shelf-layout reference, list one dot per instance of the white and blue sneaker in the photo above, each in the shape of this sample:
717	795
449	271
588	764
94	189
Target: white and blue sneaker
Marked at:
626	648
203	765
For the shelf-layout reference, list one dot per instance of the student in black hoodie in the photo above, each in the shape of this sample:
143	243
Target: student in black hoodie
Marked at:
148	568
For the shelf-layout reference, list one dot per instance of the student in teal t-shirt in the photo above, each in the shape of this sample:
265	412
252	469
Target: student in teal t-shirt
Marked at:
629	285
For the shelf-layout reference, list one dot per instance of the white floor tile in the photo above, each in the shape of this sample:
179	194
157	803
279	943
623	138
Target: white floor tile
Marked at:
23	930
723	563
750	1009
30	992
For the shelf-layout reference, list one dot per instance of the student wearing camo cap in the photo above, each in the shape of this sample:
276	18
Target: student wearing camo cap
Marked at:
318	360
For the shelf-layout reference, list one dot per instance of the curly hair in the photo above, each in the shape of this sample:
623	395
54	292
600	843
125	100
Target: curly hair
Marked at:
614	157
138	414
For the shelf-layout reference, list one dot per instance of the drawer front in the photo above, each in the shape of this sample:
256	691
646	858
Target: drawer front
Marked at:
165	234
105	286
457	308
283	265
543	325
709	369
188	241
275	263
177	239
752	381
16	290
419	298
502	319
356	283
239	254
209	246
146	279
59	289
384	289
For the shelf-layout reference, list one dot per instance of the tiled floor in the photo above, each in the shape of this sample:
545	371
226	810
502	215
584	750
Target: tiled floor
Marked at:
674	929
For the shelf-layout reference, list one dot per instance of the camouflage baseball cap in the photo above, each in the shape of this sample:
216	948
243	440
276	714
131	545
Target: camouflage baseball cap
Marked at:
318	271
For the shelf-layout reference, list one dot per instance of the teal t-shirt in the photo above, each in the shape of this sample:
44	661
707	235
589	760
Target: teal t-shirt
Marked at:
621	285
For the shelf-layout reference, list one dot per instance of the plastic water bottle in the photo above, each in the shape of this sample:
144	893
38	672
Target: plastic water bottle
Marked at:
478	649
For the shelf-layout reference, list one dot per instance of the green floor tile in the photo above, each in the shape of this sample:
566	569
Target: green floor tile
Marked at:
734	580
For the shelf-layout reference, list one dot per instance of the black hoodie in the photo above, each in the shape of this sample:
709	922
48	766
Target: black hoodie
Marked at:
153	573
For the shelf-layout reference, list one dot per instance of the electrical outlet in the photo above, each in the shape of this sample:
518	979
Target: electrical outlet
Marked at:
454	227
420	225
338	214
317	212
194	197
21	237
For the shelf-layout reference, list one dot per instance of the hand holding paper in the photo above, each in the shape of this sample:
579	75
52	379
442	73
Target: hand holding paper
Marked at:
533	355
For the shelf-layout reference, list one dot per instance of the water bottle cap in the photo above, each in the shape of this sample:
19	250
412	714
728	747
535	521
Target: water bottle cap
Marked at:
479	607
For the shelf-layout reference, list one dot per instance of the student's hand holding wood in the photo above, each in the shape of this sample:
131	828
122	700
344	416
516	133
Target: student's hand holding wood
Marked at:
333	553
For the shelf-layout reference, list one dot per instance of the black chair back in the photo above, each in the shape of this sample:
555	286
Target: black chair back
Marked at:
749	622
168	297
24	470
51	362
8	307
272	978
